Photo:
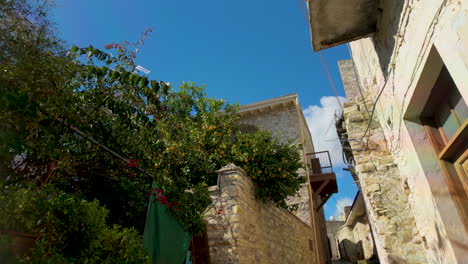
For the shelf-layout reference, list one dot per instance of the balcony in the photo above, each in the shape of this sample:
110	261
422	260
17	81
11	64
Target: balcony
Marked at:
321	176
334	22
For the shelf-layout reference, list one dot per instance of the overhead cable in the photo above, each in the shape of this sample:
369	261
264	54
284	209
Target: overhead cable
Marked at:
330	80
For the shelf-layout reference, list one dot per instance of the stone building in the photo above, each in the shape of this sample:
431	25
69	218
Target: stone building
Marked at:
354	238
333	226
252	231
406	119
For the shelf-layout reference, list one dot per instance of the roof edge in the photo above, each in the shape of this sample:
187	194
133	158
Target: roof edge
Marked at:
269	102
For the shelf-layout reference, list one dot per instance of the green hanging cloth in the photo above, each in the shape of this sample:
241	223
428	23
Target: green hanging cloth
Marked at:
165	237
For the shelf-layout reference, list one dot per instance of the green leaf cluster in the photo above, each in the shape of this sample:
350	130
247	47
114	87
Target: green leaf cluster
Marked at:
69	229
178	137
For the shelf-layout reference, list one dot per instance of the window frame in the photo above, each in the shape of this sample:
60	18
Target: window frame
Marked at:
450	152
451	170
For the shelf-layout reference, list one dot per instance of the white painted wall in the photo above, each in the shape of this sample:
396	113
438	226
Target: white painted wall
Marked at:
423	25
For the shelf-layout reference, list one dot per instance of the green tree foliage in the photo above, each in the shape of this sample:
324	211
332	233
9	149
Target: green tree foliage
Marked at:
69	229
86	122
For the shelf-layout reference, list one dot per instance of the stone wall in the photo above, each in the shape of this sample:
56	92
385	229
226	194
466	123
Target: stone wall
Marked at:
349	79
285	121
283	117
242	229
393	64
280	121
363	237
385	193
346	244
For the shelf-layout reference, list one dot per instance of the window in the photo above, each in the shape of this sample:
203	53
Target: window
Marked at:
445	119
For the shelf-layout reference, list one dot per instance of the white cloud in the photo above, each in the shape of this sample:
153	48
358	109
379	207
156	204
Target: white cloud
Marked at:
321	122
340	204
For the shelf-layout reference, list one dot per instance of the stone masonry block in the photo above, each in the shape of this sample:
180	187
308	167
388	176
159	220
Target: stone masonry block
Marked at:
366	167
372	188
253	231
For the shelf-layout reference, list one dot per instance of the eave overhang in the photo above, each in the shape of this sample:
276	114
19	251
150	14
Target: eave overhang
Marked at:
335	22
357	209
266	105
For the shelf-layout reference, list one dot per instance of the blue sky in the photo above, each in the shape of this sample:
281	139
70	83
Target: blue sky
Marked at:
244	51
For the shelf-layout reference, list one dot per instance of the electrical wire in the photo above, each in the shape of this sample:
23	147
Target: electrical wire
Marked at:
373	110
304	11
330	80
328	129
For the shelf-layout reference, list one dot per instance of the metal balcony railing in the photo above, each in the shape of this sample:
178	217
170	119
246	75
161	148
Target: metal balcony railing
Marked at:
321	176
320	162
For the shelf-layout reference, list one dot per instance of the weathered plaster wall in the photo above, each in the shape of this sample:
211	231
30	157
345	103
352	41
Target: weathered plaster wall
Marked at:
363	237
356	240
357	18
393	60
332	230
346	244
251	231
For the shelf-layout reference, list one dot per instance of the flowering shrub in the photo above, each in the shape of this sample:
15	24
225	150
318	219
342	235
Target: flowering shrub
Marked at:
156	195
84	120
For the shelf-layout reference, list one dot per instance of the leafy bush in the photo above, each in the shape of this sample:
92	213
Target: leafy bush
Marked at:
69	229
7	254
272	165
109	245
20	209
63	113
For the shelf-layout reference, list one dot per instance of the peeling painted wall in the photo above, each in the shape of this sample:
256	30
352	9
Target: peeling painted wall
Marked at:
392	63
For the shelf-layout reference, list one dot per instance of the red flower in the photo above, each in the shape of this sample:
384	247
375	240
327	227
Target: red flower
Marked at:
155	191
162	199
131	175
132	163
220	211
159	197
